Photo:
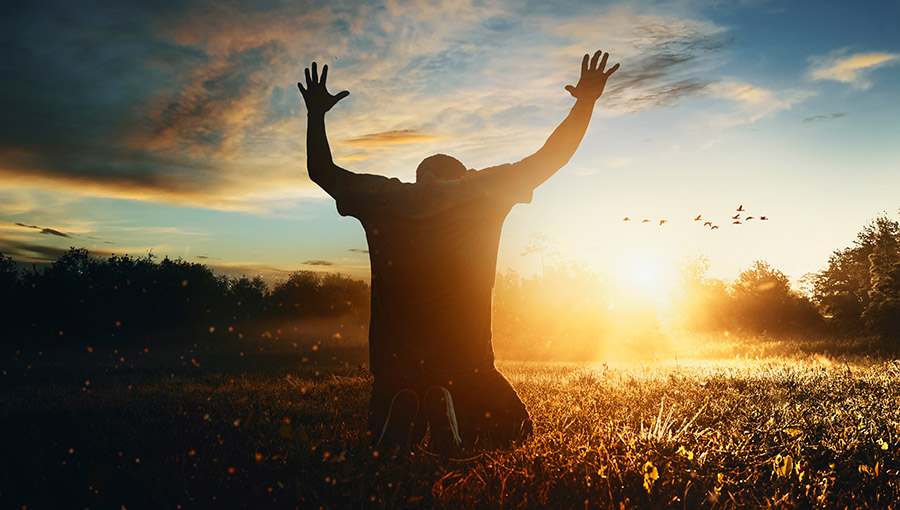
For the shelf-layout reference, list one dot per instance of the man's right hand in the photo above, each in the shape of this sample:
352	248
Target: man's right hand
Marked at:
593	78
318	99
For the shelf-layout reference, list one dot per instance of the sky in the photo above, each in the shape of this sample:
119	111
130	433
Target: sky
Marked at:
176	128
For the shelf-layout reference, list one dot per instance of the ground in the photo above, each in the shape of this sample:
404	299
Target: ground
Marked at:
279	421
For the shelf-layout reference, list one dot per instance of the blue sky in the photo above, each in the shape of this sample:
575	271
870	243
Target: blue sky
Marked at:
177	127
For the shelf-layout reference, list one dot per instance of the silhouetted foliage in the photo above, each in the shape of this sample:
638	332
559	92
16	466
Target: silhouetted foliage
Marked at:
704	302
860	289
309	294
106	301
765	303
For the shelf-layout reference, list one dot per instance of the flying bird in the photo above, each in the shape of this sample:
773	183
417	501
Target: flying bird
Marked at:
707	224
736	216
735	222
626	218
763	218
713	227
740	208
645	221
698	217
662	221
749	218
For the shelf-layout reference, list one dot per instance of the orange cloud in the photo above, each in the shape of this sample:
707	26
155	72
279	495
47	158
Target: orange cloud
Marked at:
387	139
851	69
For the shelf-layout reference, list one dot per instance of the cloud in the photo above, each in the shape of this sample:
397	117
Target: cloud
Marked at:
852	69
358	250
751	103
274	275
47	231
24	251
195	104
667	62
52	232
386	139
317	263
830	116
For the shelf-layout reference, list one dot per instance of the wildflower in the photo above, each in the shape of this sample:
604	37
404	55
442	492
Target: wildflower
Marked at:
650	475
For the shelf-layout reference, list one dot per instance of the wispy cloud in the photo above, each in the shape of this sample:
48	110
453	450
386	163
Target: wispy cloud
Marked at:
44	230
197	106
357	250
852	69
668	61
26	251
317	263
751	102
52	232
819	118
387	139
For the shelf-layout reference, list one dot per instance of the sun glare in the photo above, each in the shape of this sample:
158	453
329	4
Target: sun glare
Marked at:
649	275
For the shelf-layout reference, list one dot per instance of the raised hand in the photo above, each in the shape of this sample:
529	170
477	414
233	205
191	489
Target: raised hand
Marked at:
317	97
593	77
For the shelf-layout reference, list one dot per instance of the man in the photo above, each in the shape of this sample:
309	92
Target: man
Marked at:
433	253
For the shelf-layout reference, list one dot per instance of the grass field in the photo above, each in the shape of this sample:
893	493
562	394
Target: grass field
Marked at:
279	421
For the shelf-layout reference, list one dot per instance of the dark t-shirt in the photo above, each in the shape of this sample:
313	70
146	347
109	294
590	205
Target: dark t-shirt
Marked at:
433	252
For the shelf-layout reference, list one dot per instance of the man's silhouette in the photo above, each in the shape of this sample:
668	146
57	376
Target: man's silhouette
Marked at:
433	253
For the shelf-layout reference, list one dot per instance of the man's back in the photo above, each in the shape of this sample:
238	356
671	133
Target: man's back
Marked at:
433	251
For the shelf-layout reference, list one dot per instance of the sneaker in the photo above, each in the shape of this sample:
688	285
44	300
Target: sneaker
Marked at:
399	423
442	420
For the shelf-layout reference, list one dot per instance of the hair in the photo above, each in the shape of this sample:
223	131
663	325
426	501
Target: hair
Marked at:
442	167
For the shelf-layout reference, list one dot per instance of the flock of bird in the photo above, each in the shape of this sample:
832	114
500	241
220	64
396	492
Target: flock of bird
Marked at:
735	220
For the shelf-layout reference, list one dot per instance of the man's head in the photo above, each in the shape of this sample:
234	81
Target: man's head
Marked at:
440	167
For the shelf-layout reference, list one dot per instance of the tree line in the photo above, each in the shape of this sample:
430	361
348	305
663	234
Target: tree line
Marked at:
573	313
123	297
566	309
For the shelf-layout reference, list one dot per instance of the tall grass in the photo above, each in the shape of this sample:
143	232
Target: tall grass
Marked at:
283	426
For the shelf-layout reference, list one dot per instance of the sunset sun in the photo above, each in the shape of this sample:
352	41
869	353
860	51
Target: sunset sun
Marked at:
648	275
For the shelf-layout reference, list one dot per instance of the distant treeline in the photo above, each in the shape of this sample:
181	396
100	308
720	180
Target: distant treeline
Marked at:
120	298
567	312
573	313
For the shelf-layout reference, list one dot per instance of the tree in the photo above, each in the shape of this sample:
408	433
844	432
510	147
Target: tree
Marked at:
882	314
249	296
764	302
9	289
704	302
858	289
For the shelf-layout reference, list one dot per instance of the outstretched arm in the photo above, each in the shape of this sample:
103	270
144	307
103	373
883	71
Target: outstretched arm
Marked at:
564	140
319	164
